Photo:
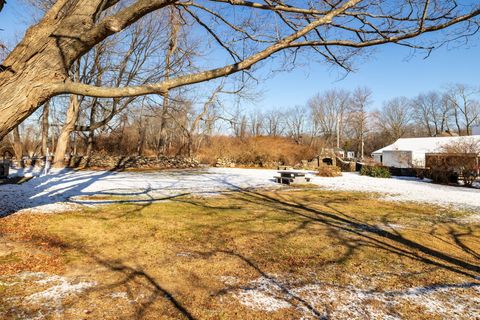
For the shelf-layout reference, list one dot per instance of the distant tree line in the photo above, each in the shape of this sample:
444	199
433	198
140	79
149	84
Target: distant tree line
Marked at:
333	118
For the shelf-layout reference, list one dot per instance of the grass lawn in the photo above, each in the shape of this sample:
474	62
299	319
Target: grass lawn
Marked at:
285	254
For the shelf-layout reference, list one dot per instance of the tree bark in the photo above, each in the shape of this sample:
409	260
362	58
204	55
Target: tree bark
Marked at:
17	144
91	135
172	47
67	31
40	59
37	68
45	127
67	129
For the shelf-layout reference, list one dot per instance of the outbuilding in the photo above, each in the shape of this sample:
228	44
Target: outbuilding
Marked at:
410	152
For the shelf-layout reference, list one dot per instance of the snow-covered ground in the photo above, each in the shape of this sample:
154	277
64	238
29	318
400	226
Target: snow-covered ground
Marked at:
60	190
405	189
325	300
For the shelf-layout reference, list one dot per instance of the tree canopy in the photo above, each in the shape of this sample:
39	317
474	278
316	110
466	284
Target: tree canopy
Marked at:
248	32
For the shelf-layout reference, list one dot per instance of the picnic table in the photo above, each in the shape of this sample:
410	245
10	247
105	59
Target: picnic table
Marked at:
293	176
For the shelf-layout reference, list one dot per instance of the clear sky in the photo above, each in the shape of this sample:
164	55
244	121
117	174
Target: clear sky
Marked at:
389	72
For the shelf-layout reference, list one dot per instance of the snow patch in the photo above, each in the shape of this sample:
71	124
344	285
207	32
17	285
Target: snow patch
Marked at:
229	280
262	294
475	218
67	190
49	300
317	300
401	189
55	294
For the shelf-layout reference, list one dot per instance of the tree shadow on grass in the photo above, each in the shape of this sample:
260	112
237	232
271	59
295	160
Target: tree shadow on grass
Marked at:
350	231
77	188
336	223
378	237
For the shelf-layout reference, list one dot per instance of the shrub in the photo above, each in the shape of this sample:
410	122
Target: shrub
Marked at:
375	171
443	176
255	151
329	171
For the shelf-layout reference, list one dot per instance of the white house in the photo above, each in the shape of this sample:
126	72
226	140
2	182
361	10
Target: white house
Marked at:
410	152
476	130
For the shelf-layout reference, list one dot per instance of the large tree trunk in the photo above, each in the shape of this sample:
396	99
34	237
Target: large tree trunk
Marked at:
45	128
91	135
142	133
67	129
17	144
43	57
172	47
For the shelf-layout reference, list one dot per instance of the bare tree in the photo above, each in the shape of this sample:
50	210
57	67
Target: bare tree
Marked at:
45	128
360	101
296	122
69	126
256	123
395	117
430	111
465	105
274	124
329	112
38	67
169	62
111	62
17	144
190	122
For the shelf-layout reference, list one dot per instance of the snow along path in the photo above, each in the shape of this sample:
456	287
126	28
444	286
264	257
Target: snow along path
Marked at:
405	189
60	190
63	190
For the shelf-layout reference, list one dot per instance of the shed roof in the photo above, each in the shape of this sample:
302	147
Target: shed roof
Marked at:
425	145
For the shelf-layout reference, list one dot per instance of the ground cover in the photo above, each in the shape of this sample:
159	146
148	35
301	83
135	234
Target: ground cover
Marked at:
288	253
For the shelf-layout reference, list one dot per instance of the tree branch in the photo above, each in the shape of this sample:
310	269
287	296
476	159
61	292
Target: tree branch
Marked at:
163	87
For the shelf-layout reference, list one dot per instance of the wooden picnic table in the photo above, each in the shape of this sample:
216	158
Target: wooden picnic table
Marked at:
293	176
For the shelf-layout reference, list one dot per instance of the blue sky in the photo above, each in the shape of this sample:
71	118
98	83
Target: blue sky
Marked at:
389	72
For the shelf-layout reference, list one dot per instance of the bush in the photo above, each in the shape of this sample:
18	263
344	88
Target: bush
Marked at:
375	171
254	151
443	176
329	171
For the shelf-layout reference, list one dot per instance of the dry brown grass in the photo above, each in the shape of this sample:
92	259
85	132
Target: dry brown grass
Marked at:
255	151
329	171
169	260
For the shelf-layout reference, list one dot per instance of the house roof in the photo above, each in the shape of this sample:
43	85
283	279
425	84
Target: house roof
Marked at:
425	145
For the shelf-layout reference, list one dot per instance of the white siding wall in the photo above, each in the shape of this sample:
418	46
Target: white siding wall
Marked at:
418	160
397	159
377	157
476	130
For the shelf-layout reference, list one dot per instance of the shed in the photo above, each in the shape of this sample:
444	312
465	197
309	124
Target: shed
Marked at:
410	152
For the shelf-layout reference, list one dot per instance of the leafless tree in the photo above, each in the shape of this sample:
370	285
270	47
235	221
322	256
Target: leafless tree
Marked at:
256	125
190	121
431	111
361	99
38	67
296	122
329	112
274	123
395	117
465	106
112	63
